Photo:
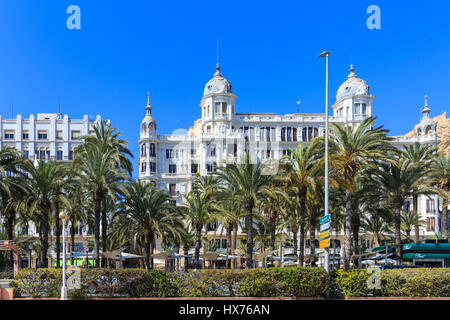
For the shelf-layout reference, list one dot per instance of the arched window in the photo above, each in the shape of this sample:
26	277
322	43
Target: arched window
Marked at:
429	130
152	150
144	127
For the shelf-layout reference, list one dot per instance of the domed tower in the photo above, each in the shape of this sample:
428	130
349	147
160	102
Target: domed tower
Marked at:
353	100
217	103
148	144
426	126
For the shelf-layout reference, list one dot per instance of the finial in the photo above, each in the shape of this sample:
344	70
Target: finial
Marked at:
352	72
426	100
148	107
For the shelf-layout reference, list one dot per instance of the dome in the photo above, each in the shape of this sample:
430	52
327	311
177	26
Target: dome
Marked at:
352	86
218	84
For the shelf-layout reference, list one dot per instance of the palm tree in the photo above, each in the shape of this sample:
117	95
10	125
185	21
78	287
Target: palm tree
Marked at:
146	213
314	201
103	164
394	183
262	233
420	155
300	170
440	176
42	181
353	149
409	220
376	225
246	182
199	210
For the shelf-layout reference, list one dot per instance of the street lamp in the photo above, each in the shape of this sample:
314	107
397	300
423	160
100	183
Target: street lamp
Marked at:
327	250
30	248
63	217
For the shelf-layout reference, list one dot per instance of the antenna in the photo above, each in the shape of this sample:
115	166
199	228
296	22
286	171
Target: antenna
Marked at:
298	105
351	51
217	39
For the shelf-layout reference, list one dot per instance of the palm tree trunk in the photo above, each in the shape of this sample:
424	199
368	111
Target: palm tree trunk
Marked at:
398	239
294	234
10	217
312	244
444	216
272	231
249	231
44	235
348	229
229	230
152	249
186	259
97	231
301	254
355	232
416	226
234	244
72	240
198	243
58	233
104	227
147	242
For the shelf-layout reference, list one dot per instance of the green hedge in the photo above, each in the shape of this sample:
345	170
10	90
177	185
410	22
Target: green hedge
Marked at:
97	282
274	282
417	282
271	282
292	281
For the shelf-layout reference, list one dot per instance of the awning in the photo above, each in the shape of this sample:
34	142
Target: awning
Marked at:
421	255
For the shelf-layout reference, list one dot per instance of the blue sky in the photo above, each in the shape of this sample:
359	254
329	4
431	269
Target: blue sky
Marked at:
268	50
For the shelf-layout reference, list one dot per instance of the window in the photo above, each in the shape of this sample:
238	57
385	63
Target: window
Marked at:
25	154
283	134
194	167
217	108
75	135
59	135
152	166
210	167
193	152
357	109
172	189
364	109
42	135
59	155
224	243
294	134
169	153
224	107
172	168
430	205
152	150
9	134
212	150
430	224
25	135
70	154
143	150
143	166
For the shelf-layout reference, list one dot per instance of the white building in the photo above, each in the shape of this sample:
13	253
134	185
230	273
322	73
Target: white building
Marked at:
172	161
47	136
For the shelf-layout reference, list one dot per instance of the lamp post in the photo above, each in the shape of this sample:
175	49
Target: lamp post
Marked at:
30	248
327	250
63	217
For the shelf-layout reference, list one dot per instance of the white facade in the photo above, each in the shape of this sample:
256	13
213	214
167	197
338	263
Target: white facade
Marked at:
173	161
47	136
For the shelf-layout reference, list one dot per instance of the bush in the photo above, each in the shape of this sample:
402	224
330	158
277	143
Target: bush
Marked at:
272	282
417	282
98	282
6	275
420	282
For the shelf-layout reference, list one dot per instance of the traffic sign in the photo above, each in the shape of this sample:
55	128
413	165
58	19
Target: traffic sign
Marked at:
325	218
325	234
324	226
325	243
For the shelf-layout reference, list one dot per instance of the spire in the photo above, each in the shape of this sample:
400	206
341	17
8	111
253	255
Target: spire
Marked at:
426	110
148	107
217	73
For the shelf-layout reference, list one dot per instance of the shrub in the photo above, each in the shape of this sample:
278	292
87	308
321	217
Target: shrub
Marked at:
420	282
272	282
40	282
417	282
